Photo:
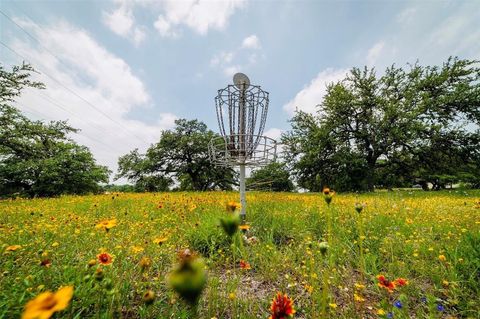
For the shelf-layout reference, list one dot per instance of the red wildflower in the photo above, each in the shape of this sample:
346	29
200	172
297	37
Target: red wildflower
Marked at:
105	258
46	263
245	265
401	282
282	307
385	283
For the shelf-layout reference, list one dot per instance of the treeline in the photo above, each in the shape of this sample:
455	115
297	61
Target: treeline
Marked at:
418	125
38	159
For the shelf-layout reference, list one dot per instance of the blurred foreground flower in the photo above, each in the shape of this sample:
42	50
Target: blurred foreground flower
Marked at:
46	304
188	279
230	223
282	307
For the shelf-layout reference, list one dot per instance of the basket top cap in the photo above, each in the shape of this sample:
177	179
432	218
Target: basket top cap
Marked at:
241	81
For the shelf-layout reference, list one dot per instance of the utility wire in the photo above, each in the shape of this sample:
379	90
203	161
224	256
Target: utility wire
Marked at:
73	92
39	114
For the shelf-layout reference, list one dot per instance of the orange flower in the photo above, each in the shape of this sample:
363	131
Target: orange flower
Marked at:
145	262
385	283
13	248
232	206
105	258
244	227
282	307
47	303
400	282
245	265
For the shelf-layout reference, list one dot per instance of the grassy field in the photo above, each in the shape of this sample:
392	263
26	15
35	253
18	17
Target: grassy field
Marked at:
428	241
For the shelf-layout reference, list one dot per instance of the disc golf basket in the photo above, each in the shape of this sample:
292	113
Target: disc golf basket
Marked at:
241	113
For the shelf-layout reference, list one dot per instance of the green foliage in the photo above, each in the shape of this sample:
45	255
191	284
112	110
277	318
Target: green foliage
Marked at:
274	177
207	238
37	158
405	233
181	154
406	126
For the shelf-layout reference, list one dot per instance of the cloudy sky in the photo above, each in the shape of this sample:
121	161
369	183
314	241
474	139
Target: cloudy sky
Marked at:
122	71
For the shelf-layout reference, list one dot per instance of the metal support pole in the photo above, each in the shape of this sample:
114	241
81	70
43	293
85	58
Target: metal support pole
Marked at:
243	199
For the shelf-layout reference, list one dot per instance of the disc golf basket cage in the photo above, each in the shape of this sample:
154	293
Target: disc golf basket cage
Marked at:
241	113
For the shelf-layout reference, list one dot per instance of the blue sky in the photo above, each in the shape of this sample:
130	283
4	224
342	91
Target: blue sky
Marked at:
122	71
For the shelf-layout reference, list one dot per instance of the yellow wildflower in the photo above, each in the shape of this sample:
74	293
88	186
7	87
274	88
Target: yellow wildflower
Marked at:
47	303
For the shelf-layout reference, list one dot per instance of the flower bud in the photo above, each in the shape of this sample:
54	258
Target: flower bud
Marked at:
188	279
323	247
230	223
148	297
99	274
358	207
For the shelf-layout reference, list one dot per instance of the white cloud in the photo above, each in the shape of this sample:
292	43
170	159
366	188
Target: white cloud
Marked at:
239	59
167	120
198	15
138	35
375	52
312	95
164	27
251	42
459	34
222	58
406	16
98	76
122	22
274	133
231	70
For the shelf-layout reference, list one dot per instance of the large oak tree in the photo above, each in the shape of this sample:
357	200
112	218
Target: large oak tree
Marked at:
415	124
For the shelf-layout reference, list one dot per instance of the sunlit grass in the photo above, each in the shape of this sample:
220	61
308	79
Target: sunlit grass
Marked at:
405	236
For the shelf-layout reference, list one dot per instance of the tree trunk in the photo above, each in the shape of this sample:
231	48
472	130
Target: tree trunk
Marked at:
371	176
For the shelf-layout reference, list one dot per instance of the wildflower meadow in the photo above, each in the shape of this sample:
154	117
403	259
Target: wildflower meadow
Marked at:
400	254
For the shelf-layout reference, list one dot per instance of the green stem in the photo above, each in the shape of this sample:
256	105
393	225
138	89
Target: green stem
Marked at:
360	243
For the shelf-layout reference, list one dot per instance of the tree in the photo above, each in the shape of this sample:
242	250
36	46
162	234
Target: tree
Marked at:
368	126
37	158
181	154
274	176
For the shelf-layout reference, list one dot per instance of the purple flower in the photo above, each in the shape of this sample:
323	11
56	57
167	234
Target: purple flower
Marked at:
389	315
423	299
398	304
440	307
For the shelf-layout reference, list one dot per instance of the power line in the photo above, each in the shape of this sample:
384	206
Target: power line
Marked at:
39	114
73	92
32	37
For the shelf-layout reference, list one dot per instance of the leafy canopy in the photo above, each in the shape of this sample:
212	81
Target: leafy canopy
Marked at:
415	125
180	155
37	158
